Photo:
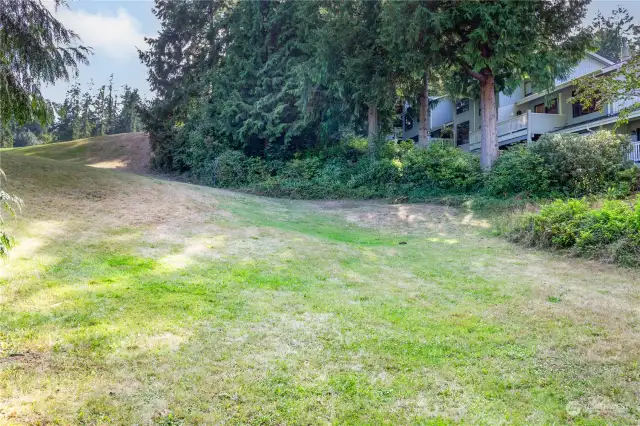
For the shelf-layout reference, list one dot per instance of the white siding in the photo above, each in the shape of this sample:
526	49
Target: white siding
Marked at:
442	113
506	100
586	66
506	112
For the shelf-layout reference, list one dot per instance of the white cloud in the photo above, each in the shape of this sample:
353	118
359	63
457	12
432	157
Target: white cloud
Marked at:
114	35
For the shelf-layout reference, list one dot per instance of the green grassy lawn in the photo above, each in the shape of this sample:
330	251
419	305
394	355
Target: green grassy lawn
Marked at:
131	300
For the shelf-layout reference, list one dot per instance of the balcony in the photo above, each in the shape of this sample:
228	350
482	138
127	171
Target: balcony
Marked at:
616	107
634	155
521	128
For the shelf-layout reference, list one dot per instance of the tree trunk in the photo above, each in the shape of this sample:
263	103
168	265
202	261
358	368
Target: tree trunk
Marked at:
423	137
489	142
372	132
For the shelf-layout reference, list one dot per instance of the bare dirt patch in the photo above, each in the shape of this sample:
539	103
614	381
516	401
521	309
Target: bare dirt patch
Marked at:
399	217
129	152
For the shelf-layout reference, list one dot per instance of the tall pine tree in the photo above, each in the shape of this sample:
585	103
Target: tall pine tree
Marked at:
352	61
491	46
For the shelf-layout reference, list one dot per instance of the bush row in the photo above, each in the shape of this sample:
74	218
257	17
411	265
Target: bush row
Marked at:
566	165
555	166
610	231
401	169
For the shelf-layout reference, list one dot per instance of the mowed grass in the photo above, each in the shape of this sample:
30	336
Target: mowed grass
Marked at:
131	300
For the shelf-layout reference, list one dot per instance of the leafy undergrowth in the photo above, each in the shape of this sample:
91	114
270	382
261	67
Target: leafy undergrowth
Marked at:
608	230
129	300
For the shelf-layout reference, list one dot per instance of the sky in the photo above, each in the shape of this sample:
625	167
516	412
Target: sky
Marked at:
115	28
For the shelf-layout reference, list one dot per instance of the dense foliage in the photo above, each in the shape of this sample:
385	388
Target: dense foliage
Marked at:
276	79
610	231
586	164
555	166
29	134
34	47
518	171
346	170
566	164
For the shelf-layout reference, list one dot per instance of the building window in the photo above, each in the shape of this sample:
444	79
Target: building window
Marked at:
436	133
408	119
547	108
462	133
579	109
528	88
462	106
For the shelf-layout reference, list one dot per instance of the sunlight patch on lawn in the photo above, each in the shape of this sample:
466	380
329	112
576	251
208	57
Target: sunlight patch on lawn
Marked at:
470	220
191	251
30	254
443	240
113	164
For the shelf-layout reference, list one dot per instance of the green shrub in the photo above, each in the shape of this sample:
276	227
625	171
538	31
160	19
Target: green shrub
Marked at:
517	171
625	251
392	149
611	231
609	223
350	149
229	169
256	170
557	224
375	176
401	170
441	167
580	165
301	169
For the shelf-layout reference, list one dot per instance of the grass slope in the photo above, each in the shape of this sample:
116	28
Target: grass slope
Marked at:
126	152
131	300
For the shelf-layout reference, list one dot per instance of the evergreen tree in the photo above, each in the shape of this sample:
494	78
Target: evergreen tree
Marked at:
255	87
36	48
128	119
492	46
189	46
69	124
353	62
609	33
111	106
100	112
87	118
416	56
83	115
